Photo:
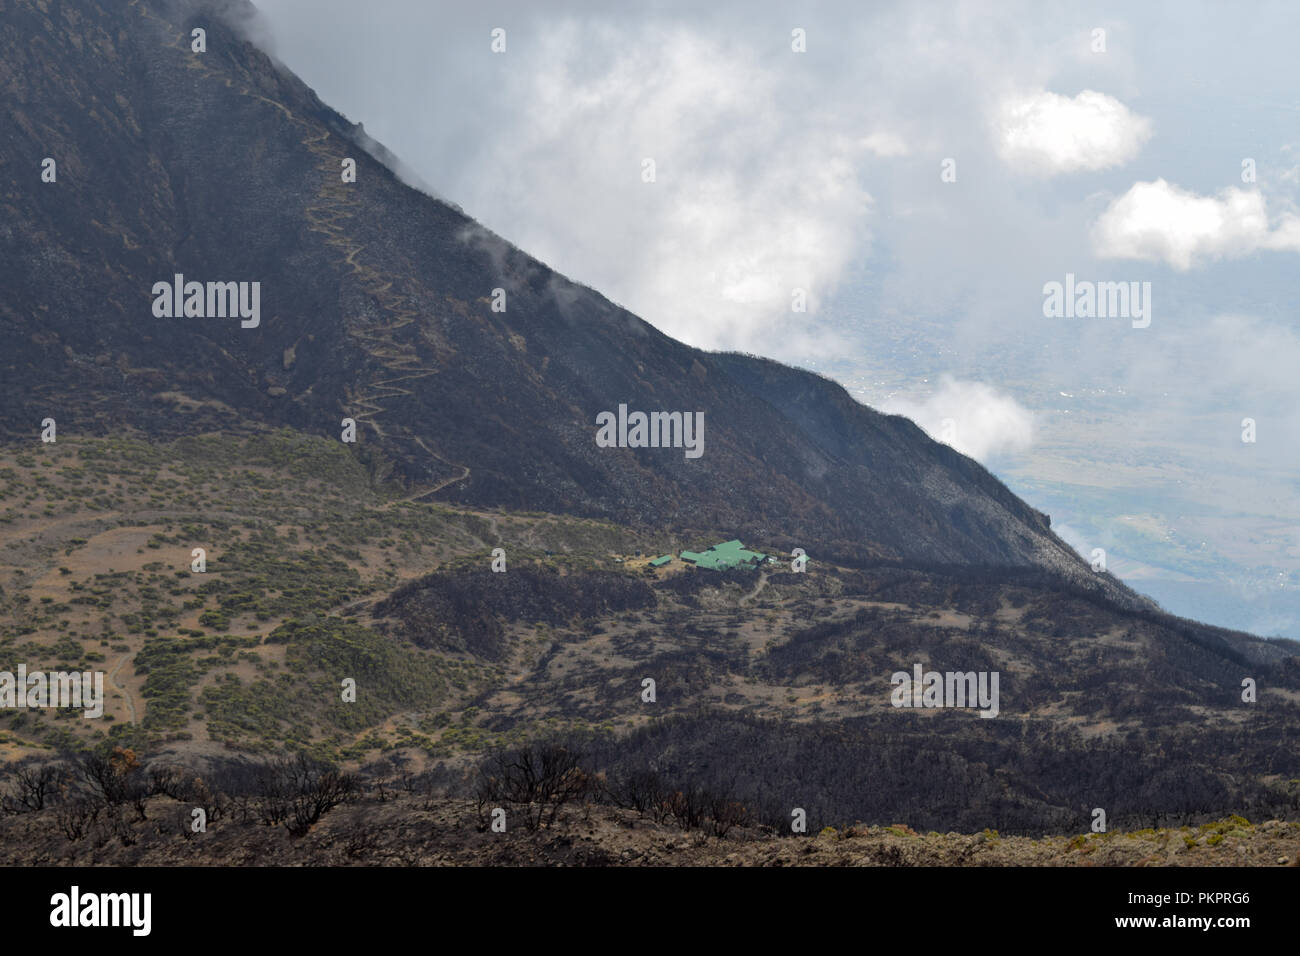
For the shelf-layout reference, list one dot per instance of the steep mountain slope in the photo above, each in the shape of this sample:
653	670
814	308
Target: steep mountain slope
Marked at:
376	304
372	562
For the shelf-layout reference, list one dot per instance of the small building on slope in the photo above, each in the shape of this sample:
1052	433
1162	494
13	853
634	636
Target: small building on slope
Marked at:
724	556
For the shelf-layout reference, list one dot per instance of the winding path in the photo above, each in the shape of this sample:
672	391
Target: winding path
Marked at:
762	583
130	703
336	203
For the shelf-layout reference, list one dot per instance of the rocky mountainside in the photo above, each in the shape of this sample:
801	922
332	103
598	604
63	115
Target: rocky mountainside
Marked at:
376	304
476	378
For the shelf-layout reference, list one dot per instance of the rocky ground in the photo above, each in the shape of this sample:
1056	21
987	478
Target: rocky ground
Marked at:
412	830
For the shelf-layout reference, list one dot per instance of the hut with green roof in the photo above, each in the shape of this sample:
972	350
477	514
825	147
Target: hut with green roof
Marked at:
724	556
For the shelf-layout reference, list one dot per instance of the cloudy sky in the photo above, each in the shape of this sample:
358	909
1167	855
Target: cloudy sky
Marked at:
918	174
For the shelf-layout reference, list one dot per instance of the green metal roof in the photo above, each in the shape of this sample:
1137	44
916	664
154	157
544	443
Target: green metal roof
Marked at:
725	554
661	561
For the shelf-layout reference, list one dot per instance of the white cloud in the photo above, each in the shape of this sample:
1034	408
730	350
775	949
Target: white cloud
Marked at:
1160	222
752	198
973	418
1047	133
884	144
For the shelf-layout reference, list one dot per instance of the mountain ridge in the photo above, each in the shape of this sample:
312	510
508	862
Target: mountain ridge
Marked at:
278	611
377	307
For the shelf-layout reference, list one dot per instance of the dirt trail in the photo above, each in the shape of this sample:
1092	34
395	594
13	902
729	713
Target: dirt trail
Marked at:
762	583
130	703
